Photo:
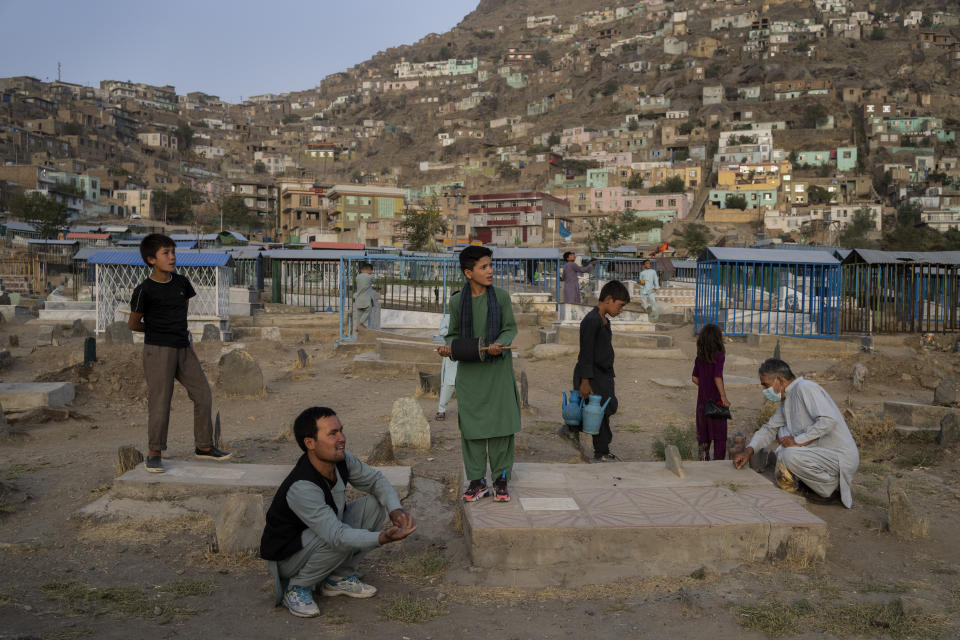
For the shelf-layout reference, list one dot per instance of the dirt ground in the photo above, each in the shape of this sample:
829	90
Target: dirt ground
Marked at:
64	577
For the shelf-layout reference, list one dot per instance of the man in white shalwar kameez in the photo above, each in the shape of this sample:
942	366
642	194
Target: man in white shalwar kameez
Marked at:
816	447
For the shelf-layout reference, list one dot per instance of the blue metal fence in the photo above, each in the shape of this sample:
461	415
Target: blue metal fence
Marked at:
744	293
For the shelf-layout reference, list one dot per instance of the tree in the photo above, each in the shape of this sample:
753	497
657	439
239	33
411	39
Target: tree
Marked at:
176	207
635	181
609	87
736	202
46	215
423	226
507	171
445	53
184	134
673	184
236	215
818	195
814	116
633	125
259	167
553	139
618	227
542	58
855	234
693	237
906	231
290	118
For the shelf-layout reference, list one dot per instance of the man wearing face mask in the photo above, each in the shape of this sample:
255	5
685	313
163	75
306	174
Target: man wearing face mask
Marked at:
816	447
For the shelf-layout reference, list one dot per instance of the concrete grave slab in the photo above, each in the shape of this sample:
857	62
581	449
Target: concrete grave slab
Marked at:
728	381
632	519
23	396
183	479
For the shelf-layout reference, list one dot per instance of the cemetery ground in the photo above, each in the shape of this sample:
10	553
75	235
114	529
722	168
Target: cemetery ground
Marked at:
160	575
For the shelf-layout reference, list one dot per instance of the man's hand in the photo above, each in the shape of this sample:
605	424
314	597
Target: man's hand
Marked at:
444	351
788	441
585	389
495	349
401	518
743	458
403	526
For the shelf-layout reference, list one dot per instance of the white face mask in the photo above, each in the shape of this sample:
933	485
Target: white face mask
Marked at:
771	395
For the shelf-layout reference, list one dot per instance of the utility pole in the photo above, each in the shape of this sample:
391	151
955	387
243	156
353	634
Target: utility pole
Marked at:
58	72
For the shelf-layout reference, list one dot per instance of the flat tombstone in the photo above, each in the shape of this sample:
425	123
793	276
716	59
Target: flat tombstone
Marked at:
408	425
673	460
211	333
240	375
270	333
240	523
120	333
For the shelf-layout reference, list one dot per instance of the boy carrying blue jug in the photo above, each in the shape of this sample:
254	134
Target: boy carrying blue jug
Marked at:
593	374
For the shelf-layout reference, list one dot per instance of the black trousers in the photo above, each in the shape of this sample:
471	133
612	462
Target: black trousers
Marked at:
603	386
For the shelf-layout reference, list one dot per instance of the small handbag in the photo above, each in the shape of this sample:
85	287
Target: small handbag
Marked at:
715	410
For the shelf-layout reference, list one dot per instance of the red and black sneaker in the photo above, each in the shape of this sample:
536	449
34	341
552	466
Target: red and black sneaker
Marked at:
500	492
477	489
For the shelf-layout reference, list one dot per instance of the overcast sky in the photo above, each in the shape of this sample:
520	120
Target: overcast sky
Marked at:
227	48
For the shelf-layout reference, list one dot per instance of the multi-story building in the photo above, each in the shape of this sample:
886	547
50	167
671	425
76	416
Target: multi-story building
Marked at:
258	195
758	183
366	214
133	203
303	210
522	217
667	207
158	140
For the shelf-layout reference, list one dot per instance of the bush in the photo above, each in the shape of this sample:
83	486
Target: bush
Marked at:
684	439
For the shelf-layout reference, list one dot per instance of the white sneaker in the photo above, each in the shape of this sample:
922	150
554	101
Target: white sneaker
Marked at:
348	587
300	602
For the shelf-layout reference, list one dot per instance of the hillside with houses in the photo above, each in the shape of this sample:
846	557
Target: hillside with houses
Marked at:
536	123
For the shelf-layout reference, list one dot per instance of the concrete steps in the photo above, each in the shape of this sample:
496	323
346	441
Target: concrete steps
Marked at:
571	335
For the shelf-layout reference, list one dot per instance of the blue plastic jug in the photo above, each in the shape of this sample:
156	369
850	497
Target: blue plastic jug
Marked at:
593	414
572	409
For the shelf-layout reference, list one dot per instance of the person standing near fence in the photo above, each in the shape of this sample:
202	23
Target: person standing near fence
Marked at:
571	280
649	282
448	375
708	376
365	300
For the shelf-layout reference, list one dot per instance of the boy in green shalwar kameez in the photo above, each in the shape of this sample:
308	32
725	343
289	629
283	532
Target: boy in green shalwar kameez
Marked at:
488	405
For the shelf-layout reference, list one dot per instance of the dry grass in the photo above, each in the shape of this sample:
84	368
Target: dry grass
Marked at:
126	602
410	609
207	558
622	589
428	563
766	412
869	430
869	620
802	551
685	439
137	531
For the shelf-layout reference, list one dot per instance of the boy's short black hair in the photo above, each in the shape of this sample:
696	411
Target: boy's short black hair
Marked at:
567	253
365	265
305	426
616	289
471	255
153	243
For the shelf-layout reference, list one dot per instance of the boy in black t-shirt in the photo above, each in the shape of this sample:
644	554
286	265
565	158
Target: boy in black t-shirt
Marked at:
594	371
159	309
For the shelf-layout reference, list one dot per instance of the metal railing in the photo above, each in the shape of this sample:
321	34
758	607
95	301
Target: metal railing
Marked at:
900	298
786	299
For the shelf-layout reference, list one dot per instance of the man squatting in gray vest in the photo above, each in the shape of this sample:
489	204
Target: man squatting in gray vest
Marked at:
312	534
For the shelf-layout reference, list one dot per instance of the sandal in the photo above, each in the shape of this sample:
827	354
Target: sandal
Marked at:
440	417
